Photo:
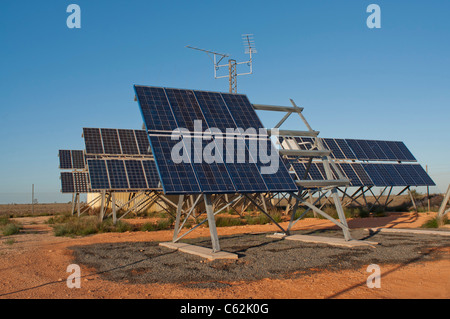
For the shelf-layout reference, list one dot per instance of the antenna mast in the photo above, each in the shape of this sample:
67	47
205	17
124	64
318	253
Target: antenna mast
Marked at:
249	44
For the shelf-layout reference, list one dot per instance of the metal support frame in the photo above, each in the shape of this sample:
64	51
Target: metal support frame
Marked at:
442	212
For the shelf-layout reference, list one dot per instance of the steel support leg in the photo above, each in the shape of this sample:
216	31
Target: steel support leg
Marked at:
212	223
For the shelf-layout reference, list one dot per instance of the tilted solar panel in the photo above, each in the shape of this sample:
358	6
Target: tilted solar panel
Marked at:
362	175
67	182
110	140
357	150
374	175
345	148
78	161
334	148
98	174
128	143
93	141
423	175
351	175
65	159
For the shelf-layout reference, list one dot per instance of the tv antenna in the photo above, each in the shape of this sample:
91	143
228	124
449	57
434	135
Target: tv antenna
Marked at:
249	44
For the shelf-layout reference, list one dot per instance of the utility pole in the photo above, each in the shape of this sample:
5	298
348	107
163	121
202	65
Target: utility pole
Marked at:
32	199
428	193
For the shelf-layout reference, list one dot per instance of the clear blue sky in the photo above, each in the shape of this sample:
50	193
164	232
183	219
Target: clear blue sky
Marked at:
391	83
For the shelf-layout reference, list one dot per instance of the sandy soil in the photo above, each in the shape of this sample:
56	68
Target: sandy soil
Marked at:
35	267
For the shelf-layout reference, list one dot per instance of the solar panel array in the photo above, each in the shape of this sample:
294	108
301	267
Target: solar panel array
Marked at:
107	141
71	159
362	150
165	110
368	174
123	174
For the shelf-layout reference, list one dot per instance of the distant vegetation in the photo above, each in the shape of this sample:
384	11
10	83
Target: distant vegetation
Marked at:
8	227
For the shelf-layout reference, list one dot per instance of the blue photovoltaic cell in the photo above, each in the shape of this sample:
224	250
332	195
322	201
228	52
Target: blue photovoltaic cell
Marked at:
128	142
155	109
386	150
377	150
273	171
117	174
143	143
93	141
374	174
408	155
67	182
396	177
65	159
359	170
242	111
348	153
98	174
215	111
176	178
135	173
110	140
334	148
357	150
151	174
423	175
371	156
78	159
397	152
300	171
403	171
389	180
213	177
80	182
351	175
418	181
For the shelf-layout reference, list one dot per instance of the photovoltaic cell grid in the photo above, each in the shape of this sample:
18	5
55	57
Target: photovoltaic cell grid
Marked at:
74	182
213	110
71	159
104	141
122	175
369	174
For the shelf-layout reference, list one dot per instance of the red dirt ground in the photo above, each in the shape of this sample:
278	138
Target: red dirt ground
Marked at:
35	267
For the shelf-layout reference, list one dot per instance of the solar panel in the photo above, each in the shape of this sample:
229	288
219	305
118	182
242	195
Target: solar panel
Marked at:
300	171
80	182
151	174
357	150
383	145
135	174
362	175
423	175
374	175
93	141
65	159
176	178
334	148
403	171
351	175
407	154
397	179
377	150
345	148
110	141
98	174
155	109
117	175
67	182
142	142
78	161
242	111
364	145
128	143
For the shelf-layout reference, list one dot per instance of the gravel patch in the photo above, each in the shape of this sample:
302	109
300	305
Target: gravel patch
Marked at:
259	257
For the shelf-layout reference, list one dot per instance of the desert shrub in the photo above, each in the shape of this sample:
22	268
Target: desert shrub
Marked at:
160	225
227	221
10	229
88	225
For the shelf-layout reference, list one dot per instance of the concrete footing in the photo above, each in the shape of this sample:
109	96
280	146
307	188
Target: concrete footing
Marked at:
199	251
409	231
325	240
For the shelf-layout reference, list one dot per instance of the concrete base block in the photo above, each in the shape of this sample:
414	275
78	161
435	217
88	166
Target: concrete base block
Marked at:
409	231
199	251
325	240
